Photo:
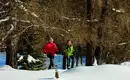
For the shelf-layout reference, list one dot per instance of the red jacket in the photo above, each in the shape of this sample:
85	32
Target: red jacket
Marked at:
50	48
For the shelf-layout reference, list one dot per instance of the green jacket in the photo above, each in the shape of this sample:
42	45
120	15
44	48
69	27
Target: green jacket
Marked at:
69	50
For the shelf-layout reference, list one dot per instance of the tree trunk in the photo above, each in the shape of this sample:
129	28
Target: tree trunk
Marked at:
89	5
89	46
11	55
89	54
8	52
100	29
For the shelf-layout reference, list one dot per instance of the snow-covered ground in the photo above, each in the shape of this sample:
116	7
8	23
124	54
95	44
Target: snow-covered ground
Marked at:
102	72
8	73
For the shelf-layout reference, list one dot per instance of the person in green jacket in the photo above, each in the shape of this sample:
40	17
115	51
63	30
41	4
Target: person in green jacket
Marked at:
68	55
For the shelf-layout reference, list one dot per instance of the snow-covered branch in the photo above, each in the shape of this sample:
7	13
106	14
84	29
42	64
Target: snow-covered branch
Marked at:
68	18
118	10
22	31
93	20
123	43
27	27
19	20
21	6
8	33
31	59
3	20
7	4
3	12
54	28
77	19
2	5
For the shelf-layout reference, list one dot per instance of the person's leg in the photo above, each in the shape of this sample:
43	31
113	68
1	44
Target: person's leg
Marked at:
89	61
81	60
72	64
86	61
64	62
98	59
97	54
77	58
50	61
68	62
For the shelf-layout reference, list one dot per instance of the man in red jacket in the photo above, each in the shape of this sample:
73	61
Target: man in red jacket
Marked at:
49	49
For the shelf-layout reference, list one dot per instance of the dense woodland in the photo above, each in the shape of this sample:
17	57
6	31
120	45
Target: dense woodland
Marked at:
25	25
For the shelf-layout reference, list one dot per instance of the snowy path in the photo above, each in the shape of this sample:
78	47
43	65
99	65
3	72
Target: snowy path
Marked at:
103	72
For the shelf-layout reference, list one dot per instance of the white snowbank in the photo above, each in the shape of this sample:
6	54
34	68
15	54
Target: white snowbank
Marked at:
6	73
6	68
103	72
126	64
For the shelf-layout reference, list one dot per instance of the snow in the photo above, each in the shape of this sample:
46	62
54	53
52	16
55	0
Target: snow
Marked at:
93	20
13	74
119	10
3	20
122	43
102	72
34	14
73	18
26	21
6	68
2	12
7	3
126	64
21	57
31	59
62	34
23	8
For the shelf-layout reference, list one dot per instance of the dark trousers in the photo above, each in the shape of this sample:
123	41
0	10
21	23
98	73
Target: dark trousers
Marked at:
77	60
89	60
64	62
51	61
98	59
67	60
97	54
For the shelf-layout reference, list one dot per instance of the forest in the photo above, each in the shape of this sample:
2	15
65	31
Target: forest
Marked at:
26	24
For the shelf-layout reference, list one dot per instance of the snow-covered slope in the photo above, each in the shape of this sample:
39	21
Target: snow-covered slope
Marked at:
103	72
126	64
8	73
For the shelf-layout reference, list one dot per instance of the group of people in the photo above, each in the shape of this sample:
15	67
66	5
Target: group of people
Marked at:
68	52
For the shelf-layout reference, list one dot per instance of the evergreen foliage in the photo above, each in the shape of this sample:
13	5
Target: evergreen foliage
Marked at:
38	64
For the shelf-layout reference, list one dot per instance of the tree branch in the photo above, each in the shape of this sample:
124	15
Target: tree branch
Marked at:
8	33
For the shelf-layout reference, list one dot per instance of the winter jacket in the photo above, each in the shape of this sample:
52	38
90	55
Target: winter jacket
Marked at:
50	48
69	50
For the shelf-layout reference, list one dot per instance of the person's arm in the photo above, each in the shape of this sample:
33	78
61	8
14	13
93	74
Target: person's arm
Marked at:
55	47
44	49
72	49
